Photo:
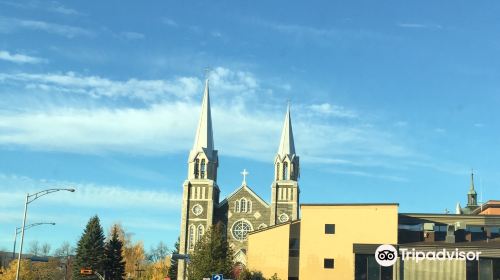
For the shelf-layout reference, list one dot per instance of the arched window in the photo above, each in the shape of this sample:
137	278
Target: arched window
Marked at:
292	171
277	171
191	237
202	169
285	170
237	206
196	165
243	205
249	206
201	231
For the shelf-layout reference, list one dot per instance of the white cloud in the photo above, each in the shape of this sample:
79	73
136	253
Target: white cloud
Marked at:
246	121
420	25
95	86
169	22
132	35
332	110
20	58
12	24
14	189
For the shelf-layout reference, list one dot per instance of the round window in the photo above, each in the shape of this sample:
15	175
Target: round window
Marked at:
283	218
241	229
197	209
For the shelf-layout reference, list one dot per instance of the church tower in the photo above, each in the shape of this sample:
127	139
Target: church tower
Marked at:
472	194
200	191
285	189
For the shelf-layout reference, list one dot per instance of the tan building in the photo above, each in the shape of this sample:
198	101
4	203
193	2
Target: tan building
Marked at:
339	241
321	244
243	211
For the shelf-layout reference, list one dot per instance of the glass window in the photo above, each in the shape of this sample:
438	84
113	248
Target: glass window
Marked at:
237	206
191	237
243	205
328	263
196	164
201	231
329	228
241	230
285	170
277	171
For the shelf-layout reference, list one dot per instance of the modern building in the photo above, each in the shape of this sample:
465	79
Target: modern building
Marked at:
339	241
243	210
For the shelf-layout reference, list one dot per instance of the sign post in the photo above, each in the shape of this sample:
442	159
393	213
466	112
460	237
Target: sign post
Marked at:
217	277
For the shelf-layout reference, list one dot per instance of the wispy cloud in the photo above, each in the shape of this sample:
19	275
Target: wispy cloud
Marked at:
420	25
20	58
169	22
95	86
332	110
12	24
132	35
245	118
87	195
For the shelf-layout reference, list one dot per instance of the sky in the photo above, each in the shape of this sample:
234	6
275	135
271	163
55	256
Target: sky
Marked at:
391	102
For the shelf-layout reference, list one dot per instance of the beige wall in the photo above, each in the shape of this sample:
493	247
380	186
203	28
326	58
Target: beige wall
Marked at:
268	251
362	224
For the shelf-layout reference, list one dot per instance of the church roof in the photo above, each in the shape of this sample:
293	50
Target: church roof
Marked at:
204	140
249	190
287	146
472	190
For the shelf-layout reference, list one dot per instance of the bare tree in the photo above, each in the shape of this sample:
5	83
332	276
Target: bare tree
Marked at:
64	250
158	253
45	250
34	247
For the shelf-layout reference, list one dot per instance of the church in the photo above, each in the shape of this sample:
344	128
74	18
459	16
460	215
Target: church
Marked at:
243	210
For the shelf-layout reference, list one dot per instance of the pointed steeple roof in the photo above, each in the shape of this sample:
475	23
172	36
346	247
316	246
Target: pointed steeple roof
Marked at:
204	140
472	190
458	209
287	146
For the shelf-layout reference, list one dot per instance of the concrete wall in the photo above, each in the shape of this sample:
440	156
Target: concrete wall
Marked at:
268	251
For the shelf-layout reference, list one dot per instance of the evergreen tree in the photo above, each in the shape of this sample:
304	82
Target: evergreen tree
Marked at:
172	270
113	253
90	250
211	255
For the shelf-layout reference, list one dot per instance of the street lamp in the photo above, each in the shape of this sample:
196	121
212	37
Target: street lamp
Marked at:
30	198
18	230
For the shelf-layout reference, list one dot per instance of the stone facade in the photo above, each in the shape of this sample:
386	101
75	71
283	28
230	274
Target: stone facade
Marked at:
242	211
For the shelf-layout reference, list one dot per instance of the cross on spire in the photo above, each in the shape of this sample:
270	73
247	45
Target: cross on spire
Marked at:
244	173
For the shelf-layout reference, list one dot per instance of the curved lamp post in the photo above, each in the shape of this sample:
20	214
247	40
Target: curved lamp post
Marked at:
30	198
18	230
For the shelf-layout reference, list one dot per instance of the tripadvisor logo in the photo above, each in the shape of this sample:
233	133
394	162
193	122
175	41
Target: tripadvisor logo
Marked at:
387	255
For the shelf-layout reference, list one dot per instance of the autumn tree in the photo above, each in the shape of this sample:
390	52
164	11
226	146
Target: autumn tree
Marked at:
90	250
133	252
211	255
25	273
172	270
113	253
65	250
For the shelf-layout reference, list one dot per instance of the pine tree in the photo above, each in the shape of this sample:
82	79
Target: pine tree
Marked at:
172	270
211	255
113	253
90	250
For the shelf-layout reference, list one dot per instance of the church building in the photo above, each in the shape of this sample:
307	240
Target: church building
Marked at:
243	210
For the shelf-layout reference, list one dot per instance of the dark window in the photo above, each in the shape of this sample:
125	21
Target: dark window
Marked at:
277	171
293	247
285	170
471	270
293	278
328	263
196	170
202	169
329	228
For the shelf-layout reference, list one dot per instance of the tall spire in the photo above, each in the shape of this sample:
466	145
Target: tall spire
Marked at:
472	190
287	146
204	140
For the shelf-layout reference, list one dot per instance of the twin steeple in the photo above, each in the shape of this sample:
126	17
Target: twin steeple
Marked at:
287	146
203	158
204	140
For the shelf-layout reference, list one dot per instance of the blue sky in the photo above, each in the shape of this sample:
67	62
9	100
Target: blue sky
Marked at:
391	102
